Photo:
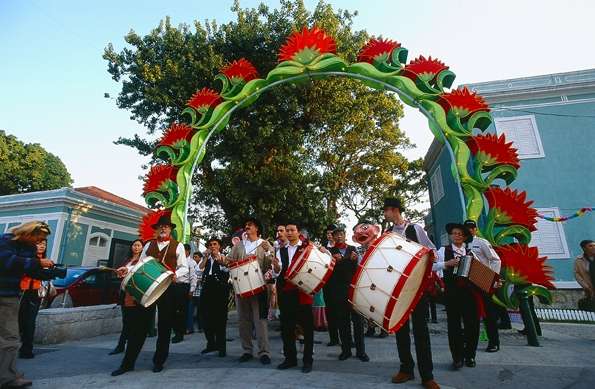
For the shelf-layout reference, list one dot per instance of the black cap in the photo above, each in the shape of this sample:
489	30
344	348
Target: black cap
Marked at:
331	227
393	202
164	220
470	223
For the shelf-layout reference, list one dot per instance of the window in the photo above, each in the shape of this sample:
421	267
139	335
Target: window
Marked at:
549	237
436	185
98	241
523	133
97	248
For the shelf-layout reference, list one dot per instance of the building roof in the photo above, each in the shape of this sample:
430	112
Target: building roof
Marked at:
546	85
112	198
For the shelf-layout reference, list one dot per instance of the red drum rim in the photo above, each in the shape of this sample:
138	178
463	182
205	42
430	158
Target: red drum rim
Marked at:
400	284
241	262
252	292
297	265
327	276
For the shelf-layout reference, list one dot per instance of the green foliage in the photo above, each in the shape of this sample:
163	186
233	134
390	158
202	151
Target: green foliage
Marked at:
302	151
28	167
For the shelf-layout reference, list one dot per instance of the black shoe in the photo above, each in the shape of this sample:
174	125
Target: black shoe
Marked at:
456	365
120	371
265	360
307	368
470	362
23	355
493	349
157	368
177	339
117	350
523	331
504	327
383	334
369	333
208	350
245	357
286	365
363	357
222	354
345	355
332	343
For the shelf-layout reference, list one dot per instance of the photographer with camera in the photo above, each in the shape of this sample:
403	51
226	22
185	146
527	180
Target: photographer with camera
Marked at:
17	258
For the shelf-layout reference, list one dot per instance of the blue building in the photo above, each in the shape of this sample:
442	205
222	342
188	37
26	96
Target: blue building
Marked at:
551	121
88	224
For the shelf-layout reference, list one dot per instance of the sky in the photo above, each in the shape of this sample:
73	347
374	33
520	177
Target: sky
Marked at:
53	78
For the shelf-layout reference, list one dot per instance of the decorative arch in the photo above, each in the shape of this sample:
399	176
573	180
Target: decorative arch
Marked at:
457	117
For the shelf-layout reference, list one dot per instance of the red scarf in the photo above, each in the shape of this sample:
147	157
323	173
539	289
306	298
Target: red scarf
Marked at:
340	246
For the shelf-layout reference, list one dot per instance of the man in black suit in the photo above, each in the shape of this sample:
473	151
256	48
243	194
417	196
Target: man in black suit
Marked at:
346	264
214	297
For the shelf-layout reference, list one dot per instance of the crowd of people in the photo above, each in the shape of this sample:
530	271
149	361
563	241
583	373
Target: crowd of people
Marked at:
199	297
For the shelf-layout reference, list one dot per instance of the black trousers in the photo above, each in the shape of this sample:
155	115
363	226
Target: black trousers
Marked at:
181	296
166	310
137	321
292	314
213	311
197	314
347	316
28	309
491	320
333	329
461	306
421	336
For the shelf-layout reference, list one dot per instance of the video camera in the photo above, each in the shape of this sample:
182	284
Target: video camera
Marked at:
50	273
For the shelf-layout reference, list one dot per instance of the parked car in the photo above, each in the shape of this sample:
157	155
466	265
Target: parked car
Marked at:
85	285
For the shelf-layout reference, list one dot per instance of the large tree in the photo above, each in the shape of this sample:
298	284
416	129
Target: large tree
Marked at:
29	167
303	151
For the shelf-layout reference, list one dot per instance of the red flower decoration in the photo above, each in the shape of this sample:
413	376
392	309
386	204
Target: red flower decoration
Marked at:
377	50
525	262
495	149
157	176
204	98
303	46
423	68
145	228
511	208
176	133
463	101
240	70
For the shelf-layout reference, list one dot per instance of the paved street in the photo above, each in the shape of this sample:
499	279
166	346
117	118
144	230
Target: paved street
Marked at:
565	360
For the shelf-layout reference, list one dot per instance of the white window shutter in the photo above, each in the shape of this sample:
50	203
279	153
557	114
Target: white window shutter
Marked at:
549	237
522	131
437	187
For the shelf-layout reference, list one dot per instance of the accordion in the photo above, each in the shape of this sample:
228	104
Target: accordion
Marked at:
477	273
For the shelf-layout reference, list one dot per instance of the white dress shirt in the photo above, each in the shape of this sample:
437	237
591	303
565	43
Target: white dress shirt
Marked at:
251	246
212	261
291	249
181	262
458	251
486	254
